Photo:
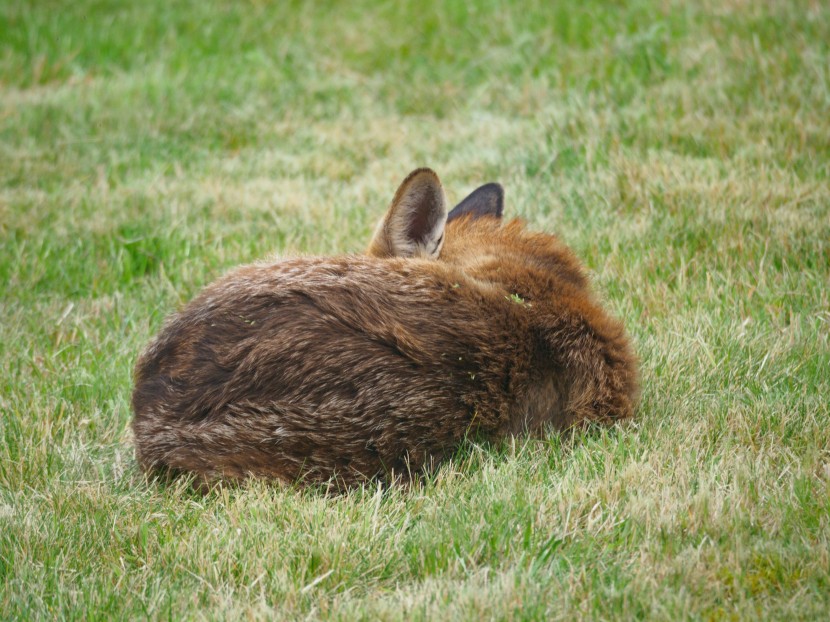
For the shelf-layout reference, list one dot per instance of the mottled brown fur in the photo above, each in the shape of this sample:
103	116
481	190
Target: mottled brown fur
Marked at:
342	369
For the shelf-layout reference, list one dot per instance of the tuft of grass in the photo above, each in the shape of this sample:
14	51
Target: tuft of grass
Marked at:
680	148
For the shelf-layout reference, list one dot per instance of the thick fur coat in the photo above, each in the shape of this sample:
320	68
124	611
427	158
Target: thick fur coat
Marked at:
343	369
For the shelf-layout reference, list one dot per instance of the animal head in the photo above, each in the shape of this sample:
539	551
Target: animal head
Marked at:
415	222
472	236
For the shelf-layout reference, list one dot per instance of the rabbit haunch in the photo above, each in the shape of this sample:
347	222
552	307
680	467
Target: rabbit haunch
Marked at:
347	368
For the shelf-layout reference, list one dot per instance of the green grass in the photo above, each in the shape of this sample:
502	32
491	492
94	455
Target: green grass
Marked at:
682	149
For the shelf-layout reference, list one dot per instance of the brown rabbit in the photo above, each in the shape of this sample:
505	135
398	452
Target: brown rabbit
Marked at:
342	369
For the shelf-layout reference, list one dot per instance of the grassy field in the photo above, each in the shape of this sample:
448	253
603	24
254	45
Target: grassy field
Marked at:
682	149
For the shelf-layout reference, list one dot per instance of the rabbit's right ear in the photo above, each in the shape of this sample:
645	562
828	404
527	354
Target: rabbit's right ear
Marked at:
414	224
488	200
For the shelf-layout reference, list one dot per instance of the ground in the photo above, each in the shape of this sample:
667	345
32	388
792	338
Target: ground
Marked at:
681	149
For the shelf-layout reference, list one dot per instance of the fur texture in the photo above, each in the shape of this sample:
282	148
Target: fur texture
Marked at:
343	369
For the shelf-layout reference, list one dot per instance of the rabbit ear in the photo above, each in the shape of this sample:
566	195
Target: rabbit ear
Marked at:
414	224
488	200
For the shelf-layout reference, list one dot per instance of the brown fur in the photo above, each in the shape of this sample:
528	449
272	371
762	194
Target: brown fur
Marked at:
349	368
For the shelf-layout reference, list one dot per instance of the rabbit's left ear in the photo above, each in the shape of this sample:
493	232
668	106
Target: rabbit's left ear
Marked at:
414	224
488	200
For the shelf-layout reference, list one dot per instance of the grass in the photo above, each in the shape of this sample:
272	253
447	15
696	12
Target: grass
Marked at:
680	148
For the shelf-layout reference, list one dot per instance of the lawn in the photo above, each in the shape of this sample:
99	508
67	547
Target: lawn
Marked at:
681	148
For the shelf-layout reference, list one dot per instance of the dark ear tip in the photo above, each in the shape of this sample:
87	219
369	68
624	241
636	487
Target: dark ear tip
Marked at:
493	187
422	171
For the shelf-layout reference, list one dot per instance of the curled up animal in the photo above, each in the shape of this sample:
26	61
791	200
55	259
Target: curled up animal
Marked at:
376	366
